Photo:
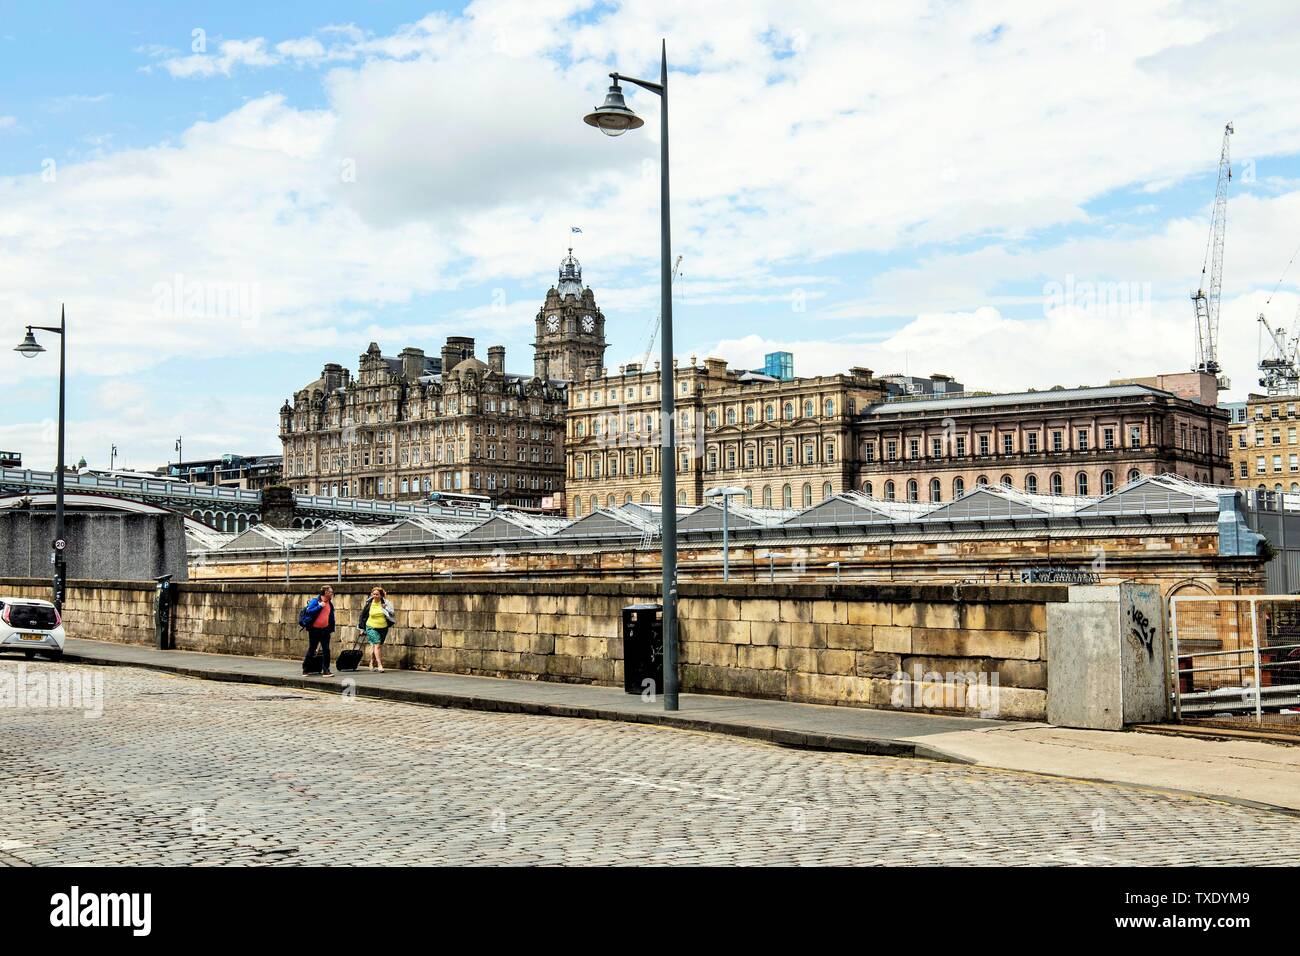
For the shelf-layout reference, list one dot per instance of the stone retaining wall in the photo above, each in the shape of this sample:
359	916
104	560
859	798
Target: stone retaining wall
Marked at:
824	644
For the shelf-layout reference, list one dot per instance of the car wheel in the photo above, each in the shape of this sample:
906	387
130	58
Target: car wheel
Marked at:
30	655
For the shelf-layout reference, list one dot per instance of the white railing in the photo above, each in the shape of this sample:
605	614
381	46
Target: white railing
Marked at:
158	487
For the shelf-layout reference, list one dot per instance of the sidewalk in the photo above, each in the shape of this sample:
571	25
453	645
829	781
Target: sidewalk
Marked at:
1239	771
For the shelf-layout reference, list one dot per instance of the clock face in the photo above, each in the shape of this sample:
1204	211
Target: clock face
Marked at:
552	323
588	323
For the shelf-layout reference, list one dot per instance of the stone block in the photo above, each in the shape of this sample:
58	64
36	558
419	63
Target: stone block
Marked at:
958	642
851	637
894	640
925	615
830	612
876	664
756	658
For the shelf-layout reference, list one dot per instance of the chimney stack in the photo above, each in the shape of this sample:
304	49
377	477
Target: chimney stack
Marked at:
497	359
457	349
412	363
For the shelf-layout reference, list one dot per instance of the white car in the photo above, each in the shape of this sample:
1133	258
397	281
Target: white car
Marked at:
32	626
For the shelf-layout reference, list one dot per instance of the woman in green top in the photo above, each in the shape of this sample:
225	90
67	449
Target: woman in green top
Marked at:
377	616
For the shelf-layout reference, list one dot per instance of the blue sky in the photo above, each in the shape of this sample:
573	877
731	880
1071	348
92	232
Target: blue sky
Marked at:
898	188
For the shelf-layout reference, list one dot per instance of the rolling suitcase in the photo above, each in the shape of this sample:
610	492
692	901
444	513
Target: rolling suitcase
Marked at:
350	659
314	664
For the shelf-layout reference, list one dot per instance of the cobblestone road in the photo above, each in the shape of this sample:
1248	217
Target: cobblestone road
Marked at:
181	771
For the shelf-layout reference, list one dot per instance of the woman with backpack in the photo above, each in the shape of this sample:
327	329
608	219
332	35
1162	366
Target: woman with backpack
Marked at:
377	616
317	618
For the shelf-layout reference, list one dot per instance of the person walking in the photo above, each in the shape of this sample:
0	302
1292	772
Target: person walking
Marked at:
377	616
318	618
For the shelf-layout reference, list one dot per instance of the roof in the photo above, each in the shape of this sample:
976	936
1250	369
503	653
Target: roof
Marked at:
709	517
924	403
516	524
352	534
999	501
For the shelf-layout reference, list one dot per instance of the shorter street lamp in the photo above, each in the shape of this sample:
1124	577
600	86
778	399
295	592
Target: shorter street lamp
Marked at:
30	348
726	494
836	566
771	563
339	527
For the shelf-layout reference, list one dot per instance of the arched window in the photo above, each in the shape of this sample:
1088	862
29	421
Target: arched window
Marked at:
936	491
866	489
807	495
749	414
889	491
1134	474
769	412
808	409
1031	484
713	418
830	407
958	487
577	507
767	497
787	499
749	496
912	493
1081	483
1005	481
595	503
645	497
627	499
827	491
982	481
731	416
610	501
788	411
1107	482
681	497
1057	485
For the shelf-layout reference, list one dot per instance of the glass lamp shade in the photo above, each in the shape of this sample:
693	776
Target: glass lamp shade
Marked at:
30	347
613	117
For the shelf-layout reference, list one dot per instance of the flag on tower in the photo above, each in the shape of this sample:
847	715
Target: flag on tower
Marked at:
574	229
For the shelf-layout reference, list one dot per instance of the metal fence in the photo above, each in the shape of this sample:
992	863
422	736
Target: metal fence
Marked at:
1235	655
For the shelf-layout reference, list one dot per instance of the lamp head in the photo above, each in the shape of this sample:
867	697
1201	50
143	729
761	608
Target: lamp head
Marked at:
30	347
614	117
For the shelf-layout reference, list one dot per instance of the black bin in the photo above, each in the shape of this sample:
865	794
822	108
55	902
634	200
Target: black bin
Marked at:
643	648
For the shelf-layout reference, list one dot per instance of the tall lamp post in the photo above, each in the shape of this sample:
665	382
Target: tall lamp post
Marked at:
725	494
614	118
31	348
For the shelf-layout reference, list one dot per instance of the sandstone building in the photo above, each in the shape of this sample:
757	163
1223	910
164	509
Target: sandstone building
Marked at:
410	425
1265	444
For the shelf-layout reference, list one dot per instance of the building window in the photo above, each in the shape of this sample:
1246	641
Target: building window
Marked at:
866	488
749	414
912	490
788	411
769	412
1006	444
1083	440
961	446
767	497
891	450
1031	441
1107	482
731	416
936	447
1058	486
830	408
787	499
889	491
1031	484
1081	484
958	487
913	448
1135	436
1058	440
827	491
984	444
807	495
982	481
1108	438
936	493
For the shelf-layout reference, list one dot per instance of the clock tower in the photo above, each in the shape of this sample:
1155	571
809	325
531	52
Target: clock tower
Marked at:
570	329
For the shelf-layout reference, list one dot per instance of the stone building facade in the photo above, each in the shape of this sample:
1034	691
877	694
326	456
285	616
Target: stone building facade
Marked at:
783	441
1265	439
1077	441
407	426
791	444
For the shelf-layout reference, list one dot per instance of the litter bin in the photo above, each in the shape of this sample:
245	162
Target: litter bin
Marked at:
164	601
643	648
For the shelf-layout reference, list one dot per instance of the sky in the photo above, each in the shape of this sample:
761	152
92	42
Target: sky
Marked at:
227	196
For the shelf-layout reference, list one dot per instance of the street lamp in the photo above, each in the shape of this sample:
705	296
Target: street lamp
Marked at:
836	566
771	563
30	348
725	494
614	118
339	527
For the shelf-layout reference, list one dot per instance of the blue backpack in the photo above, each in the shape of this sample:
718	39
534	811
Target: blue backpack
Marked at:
308	614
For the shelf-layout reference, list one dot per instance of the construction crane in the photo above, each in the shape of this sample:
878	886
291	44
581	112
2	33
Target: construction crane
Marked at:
1206	298
654	332
1281	374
